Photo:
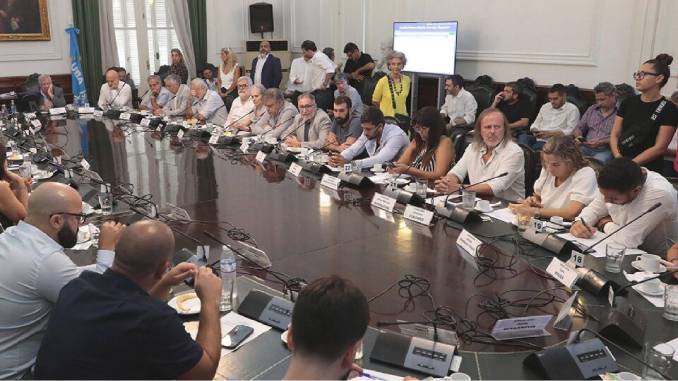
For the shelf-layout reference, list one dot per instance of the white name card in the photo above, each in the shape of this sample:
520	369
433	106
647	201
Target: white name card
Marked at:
85	110
516	328
29	115
125	116
330	182
85	164
261	156
214	139
145	122
295	169
33	150
468	242
244	147
180	134
36	126
383	202
562	272
417	214
563	321
98	113
57	110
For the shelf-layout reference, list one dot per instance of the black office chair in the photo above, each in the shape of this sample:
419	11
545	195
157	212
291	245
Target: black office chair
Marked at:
528	91
484	95
532	168
368	86
28	102
574	97
460	145
624	91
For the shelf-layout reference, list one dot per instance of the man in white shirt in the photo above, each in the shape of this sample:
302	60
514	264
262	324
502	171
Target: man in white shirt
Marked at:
157	96
114	93
310	127
460	106
343	88
625	191
319	73
241	107
278	117
180	99
208	107
491	154
34	268
557	117
383	142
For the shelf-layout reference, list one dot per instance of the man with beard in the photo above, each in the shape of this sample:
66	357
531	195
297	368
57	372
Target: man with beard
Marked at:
345	126
266	69
241	107
34	268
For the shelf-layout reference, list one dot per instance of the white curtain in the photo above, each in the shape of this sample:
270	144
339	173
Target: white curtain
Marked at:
178	10
109	48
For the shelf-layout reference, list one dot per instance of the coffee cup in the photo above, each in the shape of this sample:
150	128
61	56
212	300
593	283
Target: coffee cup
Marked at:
378	167
648	262
483	205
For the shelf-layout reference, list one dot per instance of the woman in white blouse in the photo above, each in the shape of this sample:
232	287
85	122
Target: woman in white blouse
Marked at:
495	165
566	183
229	71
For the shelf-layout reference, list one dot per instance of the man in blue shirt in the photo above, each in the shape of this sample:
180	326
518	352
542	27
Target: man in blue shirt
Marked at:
116	326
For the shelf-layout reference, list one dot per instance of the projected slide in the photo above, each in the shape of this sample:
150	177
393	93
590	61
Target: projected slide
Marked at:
430	47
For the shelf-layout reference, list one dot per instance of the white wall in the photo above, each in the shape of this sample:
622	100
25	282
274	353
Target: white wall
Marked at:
20	58
576	41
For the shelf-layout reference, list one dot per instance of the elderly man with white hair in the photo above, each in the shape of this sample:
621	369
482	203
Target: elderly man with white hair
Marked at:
114	93
242	106
207	105
180	97
157	96
50	96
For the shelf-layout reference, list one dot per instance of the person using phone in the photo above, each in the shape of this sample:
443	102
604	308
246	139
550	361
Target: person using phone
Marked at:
593	130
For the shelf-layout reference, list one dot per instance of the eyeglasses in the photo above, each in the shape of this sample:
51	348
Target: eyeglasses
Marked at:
419	127
641	74
81	216
307	106
243	86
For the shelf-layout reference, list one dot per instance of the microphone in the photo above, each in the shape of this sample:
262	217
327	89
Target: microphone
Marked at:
461	188
282	138
276	126
634	283
652	208
237	120
110	104
250	254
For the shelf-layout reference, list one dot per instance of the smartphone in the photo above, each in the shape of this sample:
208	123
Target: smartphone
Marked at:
234	337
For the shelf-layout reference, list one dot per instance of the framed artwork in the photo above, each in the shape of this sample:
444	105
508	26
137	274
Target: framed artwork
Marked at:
24	20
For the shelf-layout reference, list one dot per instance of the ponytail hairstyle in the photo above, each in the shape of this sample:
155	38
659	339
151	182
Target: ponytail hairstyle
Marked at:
661	65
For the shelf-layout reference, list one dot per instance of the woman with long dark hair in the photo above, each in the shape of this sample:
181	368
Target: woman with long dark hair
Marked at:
430	152
13	194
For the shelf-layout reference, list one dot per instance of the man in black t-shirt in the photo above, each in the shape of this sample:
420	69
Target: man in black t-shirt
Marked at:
116	326
516	109
358	66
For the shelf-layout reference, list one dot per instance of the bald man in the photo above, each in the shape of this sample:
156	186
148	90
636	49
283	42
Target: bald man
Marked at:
34	268
114	326
114	93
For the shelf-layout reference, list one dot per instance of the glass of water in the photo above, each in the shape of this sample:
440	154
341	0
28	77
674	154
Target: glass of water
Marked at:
468	199
659	356
614	254
671	302
106	202
422	187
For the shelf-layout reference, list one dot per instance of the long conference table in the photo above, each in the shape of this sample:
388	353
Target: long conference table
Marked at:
311	231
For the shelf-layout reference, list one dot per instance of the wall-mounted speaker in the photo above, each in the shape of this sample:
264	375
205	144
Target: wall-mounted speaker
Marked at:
261	17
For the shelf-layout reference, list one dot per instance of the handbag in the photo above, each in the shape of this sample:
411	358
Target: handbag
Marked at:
632	139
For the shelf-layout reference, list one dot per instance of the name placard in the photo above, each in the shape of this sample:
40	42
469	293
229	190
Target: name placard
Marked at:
85	110
98	113
125	116
261	156
563	320
85	164
383	202
180	134
516	328
330	182
295	169
468	242
244	147
36	126
416	214
57	110
214	139
562	272
145	122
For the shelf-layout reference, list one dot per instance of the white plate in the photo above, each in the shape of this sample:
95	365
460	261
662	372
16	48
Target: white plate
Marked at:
636	265
656	292
488	210
374	170
42	175
283	337
190	304
402	181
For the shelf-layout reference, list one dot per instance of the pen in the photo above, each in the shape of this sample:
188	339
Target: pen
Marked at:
584	223
367	375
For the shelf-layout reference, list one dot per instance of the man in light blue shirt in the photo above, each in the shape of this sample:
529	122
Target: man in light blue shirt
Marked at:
157	96
383	142
34	268
208	107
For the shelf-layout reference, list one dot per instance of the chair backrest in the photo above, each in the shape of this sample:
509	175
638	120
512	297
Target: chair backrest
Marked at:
484	80
624	91
484	95
594	163
532	168
460	145
368	86
574	97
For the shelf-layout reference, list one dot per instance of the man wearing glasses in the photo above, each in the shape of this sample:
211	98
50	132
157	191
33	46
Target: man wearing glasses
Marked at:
310	127
34	268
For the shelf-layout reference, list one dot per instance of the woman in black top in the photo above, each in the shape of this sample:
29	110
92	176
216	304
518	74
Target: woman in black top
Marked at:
646	123
13	194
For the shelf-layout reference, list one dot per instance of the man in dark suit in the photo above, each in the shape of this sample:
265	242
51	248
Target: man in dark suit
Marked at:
50	95
266	68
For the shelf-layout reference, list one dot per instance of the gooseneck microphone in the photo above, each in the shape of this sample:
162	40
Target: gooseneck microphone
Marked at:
461	188
110	104
652	208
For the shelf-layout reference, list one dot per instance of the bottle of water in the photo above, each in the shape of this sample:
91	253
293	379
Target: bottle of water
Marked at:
227	272
3	111
12	107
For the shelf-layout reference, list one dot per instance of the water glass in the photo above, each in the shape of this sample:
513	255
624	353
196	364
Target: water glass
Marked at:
359	352
671	302
25	170
421	187
468	199
106	203
614	254
659	356
355	167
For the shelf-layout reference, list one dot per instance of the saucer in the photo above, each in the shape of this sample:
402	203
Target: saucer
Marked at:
641	288
636	265
488	210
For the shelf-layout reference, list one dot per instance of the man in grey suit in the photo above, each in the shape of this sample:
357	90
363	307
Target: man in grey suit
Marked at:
50	96
179	100
310	127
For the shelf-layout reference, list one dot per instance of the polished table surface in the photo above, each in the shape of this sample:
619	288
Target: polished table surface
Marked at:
310	231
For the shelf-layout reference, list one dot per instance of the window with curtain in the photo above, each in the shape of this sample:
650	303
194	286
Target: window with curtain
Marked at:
145	35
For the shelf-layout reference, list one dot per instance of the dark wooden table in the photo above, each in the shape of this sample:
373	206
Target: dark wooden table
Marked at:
309	231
